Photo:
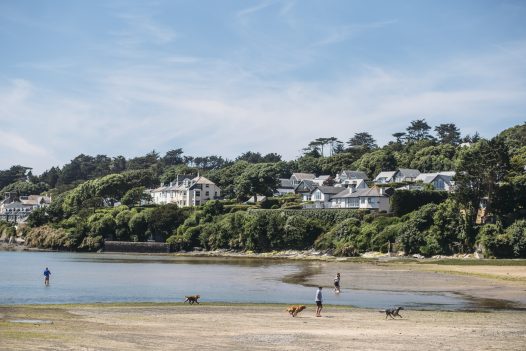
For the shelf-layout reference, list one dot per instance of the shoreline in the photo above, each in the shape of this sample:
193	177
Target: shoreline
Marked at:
157	327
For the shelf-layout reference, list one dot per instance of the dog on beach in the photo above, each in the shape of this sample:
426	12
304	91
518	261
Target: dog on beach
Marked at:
392	312
192	299
294	310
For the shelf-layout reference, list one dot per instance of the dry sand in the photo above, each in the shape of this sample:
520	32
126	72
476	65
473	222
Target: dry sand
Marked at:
254	327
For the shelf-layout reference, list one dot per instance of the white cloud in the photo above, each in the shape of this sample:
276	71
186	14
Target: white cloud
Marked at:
220	106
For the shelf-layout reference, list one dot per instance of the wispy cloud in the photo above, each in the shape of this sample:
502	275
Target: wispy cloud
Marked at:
342	33
254	9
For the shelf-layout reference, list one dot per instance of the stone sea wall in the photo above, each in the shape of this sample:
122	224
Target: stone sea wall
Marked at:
146	247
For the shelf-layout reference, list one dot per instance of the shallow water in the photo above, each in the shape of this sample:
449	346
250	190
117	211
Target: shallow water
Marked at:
92	278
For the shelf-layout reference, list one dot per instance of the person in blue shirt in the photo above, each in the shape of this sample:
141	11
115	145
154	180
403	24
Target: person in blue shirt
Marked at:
319	300
47	273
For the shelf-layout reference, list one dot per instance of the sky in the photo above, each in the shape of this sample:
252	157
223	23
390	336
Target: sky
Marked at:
222	77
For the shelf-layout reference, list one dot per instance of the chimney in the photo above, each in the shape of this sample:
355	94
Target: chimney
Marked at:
381	189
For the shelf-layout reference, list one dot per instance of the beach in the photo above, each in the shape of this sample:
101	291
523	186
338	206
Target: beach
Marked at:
253	327
494	319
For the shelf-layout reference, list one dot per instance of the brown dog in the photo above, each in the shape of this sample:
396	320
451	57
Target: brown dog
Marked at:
192	299
294	310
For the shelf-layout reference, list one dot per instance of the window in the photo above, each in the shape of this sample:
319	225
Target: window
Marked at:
206	185
197	193
317	195
207	193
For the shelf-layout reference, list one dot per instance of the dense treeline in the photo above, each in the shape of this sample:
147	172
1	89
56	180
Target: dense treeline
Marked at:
489	172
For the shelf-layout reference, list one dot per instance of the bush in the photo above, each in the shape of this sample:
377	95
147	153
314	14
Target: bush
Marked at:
47	237
406	201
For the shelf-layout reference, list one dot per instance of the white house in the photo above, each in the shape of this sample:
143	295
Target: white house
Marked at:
186	192
376	198
439	180
305	188
398	176
297	178
321	195
385	177
17	208
345	176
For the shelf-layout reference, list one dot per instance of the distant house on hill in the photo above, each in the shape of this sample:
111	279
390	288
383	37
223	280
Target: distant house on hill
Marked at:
346	176
439	181
305	188
185	192
398	176
17	208
321	195
285	186
297	178
375	198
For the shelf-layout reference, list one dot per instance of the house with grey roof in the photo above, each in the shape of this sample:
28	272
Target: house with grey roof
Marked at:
14	208
439	180
385	177
285	186
398	176
321	195
296	178
375	198
345	176
304	188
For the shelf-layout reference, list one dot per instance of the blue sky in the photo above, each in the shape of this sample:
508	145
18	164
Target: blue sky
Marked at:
121	77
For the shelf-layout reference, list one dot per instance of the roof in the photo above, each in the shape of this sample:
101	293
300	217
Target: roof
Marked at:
329	189
429	177
370	192
355	174
303	176
305	186
202	180
409	172
285	184
387	174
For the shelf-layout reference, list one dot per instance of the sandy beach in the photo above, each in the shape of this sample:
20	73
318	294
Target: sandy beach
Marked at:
253	327
496	320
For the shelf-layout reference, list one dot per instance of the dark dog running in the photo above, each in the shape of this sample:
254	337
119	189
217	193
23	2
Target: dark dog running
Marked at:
192	299
392	312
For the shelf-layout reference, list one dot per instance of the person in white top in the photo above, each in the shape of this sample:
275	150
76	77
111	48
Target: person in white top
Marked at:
319	300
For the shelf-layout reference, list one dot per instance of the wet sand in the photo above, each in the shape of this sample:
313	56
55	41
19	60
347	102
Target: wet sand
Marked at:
489	286
253	327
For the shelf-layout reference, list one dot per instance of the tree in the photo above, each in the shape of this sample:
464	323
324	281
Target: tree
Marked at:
400	136
260	178
118	164
256	157
418	130
448	134
135	196
479	168
12	175
375	162
434	158
362	140
173	157
144	162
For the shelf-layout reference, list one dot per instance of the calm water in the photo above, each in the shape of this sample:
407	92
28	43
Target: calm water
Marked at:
90	278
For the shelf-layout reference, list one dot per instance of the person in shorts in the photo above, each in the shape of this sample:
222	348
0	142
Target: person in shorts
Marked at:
319	302
337	283
47	273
